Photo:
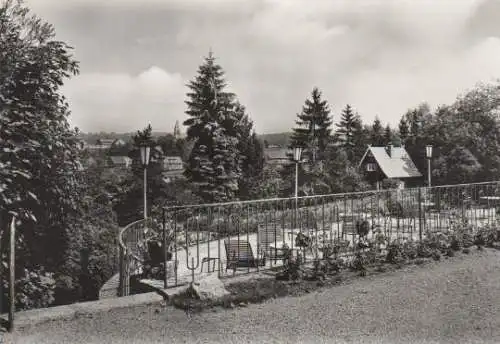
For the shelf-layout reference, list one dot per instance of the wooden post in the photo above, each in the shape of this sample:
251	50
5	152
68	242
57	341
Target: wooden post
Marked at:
12	273
419	214
2	232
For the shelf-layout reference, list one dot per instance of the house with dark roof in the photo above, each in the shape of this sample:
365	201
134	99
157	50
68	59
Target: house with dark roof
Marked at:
276	156
394	163
173	168
120	161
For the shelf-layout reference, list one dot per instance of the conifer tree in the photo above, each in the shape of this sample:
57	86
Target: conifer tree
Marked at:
388	136
377	135
347	129
313	127
360	140
403	130
252	153
214	164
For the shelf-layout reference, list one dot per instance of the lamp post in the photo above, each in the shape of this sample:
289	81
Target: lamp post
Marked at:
145	153
428	154
297	153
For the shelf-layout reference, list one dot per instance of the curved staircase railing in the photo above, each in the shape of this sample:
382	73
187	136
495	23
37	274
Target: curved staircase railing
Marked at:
131	240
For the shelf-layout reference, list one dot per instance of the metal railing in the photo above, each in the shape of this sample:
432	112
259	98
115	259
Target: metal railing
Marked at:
204	233
132	246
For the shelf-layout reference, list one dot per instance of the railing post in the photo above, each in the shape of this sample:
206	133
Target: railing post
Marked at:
122	271
164	233
12	279
420	213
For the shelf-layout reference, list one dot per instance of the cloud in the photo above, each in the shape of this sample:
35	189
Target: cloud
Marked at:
133	4
381	56
122	102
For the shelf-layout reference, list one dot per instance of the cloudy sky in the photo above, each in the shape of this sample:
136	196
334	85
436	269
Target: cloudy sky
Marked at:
381	56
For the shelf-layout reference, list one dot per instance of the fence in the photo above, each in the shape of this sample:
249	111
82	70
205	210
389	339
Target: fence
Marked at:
241	237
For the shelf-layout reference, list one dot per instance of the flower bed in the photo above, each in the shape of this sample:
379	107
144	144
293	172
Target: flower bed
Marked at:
295	278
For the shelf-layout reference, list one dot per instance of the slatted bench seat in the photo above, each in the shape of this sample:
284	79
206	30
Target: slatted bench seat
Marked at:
239	253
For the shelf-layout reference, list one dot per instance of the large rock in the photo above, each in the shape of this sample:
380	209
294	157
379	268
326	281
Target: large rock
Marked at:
209	287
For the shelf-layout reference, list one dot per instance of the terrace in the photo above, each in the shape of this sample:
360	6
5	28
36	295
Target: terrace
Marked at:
195	235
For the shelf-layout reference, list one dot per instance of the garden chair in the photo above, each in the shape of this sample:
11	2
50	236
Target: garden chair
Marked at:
239	253
270	235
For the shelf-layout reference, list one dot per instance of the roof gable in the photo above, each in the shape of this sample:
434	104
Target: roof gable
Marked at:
398	165
276	153
119	159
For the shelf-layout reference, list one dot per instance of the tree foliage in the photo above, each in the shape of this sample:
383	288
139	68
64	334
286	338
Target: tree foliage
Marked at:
40	171
350	134
377	133
220	131
313	127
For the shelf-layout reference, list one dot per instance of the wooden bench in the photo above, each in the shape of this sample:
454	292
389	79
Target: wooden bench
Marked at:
269	235
239	253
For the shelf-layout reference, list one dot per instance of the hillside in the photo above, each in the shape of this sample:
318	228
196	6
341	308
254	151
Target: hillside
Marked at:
279	139
92	137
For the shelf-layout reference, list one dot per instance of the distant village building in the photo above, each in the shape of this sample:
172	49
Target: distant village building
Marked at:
103	144
177	131
120	161
173	168
276	156
394	163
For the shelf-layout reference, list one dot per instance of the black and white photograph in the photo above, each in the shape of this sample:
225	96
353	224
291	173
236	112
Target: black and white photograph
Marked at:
249	171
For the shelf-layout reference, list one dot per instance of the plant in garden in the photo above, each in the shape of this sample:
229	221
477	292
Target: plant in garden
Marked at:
292	269
395	254
359	263
410	249
34	289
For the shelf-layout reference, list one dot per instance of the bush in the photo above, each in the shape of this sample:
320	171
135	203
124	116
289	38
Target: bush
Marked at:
359	263
410	250
424	250
395	253
34	289
486	236
292	266
456	243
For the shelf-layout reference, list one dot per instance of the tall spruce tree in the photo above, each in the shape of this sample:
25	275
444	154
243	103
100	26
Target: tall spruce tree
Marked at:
348	127
214	164
377	135
313	127
360	139
252	153
388	136
404	130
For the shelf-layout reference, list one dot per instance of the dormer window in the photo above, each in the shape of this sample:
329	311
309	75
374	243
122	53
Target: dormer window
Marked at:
371	167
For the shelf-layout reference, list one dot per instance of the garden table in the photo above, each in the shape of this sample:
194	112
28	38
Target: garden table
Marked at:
277	250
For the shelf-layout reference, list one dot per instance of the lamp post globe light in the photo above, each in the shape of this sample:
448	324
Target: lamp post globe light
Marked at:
428	154
297	154
145	155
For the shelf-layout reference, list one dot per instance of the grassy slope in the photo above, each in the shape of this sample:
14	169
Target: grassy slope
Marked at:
452	301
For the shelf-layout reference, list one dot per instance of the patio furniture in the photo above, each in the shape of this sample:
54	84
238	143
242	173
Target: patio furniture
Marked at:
239	253
157	253
209	260
270	234
277	250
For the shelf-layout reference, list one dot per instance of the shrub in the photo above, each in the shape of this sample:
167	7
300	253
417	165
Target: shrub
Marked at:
292	266
34	289
486	236
395	253
455	244
424	250
410	250
333	249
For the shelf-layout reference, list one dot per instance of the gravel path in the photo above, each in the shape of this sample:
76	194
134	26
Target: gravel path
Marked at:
453	301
